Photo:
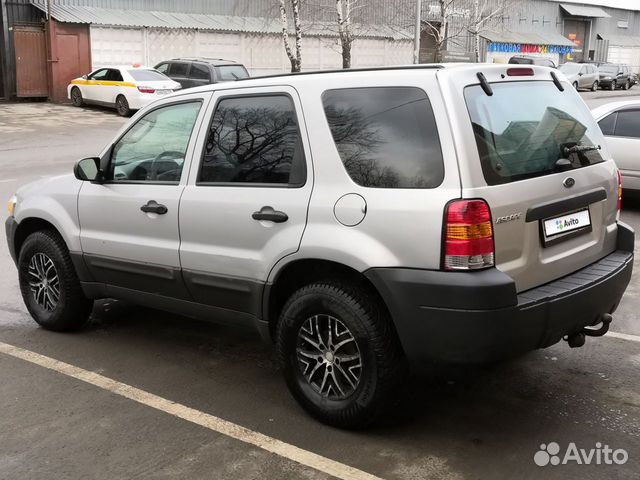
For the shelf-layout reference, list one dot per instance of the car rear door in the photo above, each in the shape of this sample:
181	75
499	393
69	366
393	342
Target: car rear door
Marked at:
622	130
551	217
129	224
245	205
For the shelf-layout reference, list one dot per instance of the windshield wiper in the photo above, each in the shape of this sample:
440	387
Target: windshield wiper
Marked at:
580	148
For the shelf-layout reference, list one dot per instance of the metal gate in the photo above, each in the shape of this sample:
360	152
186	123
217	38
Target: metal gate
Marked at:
31	61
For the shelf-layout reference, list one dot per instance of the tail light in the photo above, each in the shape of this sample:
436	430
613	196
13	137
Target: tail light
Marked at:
619	192
520	72
468	236
146	90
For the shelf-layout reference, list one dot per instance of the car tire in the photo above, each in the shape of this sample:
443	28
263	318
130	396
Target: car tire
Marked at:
49	284
626	86
612	86
348	395
122	106
575	85
594	87
76	97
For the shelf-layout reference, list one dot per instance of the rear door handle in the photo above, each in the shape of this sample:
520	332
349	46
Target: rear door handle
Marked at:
154	207
270	215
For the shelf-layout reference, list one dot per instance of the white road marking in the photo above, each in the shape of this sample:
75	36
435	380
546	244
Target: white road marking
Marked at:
216	424
623	336
7	180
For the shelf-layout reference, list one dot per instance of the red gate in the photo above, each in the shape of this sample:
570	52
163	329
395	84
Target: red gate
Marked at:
31	61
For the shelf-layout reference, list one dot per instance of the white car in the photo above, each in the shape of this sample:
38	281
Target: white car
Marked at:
620	123
126	88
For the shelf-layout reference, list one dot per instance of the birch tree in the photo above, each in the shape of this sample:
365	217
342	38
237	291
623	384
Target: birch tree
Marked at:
483	12
294	53
442	29
344	11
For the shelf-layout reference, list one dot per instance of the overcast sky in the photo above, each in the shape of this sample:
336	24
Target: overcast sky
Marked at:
627	4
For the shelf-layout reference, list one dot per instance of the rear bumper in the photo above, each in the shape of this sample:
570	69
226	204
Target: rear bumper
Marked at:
479	317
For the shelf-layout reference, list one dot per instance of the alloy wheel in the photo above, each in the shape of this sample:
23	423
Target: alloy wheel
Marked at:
44	282
329	357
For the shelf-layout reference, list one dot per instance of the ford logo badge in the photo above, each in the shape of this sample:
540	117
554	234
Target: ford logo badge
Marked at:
569	182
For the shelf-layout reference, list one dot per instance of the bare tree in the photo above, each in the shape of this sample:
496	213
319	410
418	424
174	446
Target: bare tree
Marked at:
482	13
344	11
442	28
295	55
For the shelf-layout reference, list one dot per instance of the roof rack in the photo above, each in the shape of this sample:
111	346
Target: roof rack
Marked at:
429	66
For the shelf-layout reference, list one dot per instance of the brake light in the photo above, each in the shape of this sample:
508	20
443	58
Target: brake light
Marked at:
468	236
520	72
619	192
146	90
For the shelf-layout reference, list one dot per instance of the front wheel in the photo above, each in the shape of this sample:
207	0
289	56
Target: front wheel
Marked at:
122	106
49	285
612	86
626	86
575	85
76	97
340	354
594	87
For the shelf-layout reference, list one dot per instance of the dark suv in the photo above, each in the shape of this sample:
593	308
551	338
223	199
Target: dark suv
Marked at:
615	75
195	72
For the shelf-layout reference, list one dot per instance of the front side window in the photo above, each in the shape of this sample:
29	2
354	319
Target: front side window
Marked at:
386	136
628	124
524	129
179	69
608	123
100	74
254	140
154	149
163	68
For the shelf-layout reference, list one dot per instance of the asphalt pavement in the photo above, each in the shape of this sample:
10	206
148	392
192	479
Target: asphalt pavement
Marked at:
145	394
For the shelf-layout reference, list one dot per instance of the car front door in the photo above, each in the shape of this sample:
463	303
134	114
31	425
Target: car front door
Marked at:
92	90
179	71
129	223
199	75
245	205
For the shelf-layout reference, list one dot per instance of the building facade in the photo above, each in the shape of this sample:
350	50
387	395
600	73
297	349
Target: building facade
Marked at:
38	58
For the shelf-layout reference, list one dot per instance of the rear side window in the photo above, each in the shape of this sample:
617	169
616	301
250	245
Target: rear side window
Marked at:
628	124
523	129
179	69
199	72
608	123
386	136
114	76
256	140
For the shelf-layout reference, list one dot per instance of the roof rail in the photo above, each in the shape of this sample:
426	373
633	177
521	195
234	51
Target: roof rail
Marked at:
428	66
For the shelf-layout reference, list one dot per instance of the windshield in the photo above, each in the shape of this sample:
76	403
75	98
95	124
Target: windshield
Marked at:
570	68
229	73
612	69
522	131
148	76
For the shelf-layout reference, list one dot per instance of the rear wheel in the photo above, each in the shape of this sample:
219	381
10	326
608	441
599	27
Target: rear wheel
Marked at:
627	85
575	85
594	87
76	97
339	353
122	106
49	285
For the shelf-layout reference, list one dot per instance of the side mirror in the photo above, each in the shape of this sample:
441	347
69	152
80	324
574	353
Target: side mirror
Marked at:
85	77
88	169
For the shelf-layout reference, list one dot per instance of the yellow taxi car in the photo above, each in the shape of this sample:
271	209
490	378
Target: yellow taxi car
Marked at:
126	88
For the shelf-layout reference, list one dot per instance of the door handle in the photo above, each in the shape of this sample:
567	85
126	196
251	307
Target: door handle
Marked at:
270	215
154	207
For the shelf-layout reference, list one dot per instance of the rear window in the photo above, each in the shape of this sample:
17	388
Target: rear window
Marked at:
386	136
147	76
229	73
523	129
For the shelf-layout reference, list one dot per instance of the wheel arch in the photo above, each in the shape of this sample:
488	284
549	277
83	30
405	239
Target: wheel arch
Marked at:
31	225
301	272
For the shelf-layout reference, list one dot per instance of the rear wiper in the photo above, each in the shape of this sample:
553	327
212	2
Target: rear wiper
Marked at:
580	148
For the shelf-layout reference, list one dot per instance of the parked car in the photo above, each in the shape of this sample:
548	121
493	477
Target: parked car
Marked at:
464	213
620	123
530	60
126	88
615	75
198	71
581	75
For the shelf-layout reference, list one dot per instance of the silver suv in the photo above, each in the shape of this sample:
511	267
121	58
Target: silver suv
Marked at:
363	220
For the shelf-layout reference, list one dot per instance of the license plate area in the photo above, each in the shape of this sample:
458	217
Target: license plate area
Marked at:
564	227
164	92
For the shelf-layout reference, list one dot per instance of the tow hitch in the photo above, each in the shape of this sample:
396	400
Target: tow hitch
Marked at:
577	340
